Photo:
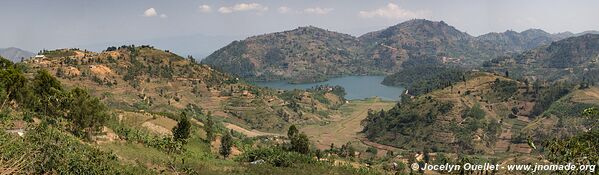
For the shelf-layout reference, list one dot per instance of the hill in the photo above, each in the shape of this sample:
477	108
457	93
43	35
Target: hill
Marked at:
303	54
574	58
415	42
309	54
514	42
15	54
148	80
47	127
481	114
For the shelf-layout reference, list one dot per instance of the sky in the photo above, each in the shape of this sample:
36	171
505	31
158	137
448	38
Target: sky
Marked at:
199	27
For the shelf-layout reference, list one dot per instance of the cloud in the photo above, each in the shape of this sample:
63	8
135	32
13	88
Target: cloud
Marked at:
243	7
318	10
393	11
205	8
150	12
284	9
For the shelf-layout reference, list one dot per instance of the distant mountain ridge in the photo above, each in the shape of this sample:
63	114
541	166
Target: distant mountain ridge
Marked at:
309	54
15	54
573	58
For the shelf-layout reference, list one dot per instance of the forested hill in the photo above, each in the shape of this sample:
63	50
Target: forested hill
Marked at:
484	113
309	54
574	58
303	54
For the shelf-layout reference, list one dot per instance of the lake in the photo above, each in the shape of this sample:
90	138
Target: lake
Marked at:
356	87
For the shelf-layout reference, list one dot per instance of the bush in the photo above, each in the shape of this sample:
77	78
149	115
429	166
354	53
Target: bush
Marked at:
47	150
276	156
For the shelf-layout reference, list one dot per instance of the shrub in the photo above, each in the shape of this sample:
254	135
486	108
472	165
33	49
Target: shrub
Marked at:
276	156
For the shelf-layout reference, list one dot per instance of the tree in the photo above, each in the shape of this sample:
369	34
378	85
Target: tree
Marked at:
292	132
12	81
87	112
48	90
209	128
300	143
580	149
182	130
226	142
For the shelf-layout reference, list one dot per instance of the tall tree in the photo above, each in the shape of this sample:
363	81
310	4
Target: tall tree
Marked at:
226	142
300	143
209	127
292	132
48	90
182	131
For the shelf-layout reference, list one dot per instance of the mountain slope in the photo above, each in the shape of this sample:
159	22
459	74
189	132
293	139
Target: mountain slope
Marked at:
146	79
309	54
573	58
303	54
514	42
419	41
15	54
483	114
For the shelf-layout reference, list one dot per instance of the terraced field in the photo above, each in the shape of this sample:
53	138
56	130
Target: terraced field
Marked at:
347	127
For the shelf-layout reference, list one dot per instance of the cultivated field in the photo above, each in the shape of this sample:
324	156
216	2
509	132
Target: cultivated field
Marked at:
347	127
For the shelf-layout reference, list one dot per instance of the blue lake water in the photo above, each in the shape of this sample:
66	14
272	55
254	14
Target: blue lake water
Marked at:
356	87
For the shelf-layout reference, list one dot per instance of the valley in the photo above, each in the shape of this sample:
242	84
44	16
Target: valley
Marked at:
346	127
296	100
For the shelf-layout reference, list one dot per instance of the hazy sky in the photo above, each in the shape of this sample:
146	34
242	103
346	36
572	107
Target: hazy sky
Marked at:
50	24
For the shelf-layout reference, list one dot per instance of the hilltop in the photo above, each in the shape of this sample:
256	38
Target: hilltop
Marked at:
309	54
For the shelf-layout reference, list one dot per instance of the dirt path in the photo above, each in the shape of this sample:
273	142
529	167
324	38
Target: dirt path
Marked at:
347	128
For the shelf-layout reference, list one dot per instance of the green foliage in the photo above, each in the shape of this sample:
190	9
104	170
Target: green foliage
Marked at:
210	128
292	132
47	150
134	135
347	150
226	143
550	94
475	112
276	156
581	149
504	89
48	90
423	79
300	143
372	150
86	112
182	131
12	81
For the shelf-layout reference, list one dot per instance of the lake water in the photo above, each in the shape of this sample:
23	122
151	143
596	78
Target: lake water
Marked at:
356	87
